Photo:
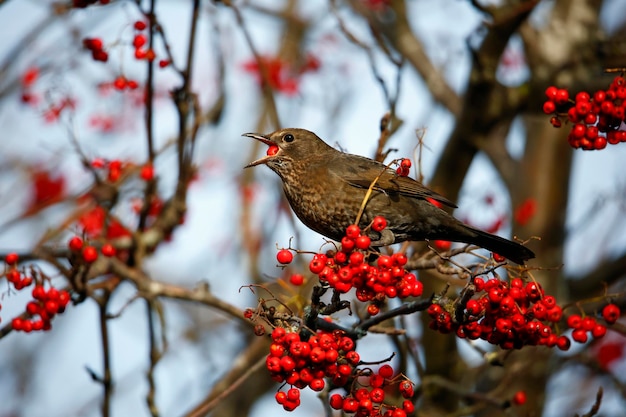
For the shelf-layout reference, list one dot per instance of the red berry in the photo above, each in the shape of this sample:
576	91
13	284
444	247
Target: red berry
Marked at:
386	371
147	172
11	258
317	384
336	401
363	242
598	331
75	244
296	279
405	163
599	96
551	92
549	107
379	223
611	313
272	150
574	321
139	40
579	335
498	258
353	231
588	323
17	323
90	254
563	343
163	63
583	96
373	309
519	398
140	25
39	293
284	256
108	250
119	83
293	394
562	96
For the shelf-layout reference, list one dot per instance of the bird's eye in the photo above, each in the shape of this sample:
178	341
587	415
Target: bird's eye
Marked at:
288	137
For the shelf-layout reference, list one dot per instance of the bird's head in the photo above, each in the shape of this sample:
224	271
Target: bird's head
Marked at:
289	147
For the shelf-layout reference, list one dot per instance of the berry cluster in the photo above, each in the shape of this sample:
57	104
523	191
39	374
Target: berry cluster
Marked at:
301	363
140	40
597	120
96	47
114	167
405	168
42	309
348	268
370	399
89	253
14	276
509	315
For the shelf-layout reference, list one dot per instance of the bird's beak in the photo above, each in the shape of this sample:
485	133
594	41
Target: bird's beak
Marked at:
266	141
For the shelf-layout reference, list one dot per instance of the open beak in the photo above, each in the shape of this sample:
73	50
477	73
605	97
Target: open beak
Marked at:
266	141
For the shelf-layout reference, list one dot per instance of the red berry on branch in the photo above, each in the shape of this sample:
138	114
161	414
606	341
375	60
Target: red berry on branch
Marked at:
519	398
140	25
108	250
549	107
296	279
11	258
75	244
353	231
90	254
379	223
147	172
551	93
284	256
562	96
139	40
611	313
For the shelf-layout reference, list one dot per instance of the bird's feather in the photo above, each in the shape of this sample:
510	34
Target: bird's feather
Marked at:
366	170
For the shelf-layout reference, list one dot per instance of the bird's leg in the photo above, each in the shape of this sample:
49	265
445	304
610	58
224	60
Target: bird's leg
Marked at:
386	238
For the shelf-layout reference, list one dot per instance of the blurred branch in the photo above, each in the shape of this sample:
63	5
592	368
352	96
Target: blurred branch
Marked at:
106	379
397	31
608	271
150	288
155	354
268	94
245	365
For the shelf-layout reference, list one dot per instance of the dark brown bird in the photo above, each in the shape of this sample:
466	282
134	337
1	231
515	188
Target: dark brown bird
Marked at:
326	187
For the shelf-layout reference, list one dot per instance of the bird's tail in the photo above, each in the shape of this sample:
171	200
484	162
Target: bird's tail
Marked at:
504	247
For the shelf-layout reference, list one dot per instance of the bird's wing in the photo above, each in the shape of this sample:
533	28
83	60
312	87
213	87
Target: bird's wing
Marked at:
362	173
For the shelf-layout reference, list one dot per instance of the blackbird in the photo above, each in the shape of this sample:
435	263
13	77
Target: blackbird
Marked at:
326	188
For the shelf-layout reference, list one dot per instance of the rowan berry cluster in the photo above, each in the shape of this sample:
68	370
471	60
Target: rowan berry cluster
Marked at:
369	400
305	363
348	268
96	46
597	120
45	305
89	253
114	168
583	327
510	315
405	168
13	275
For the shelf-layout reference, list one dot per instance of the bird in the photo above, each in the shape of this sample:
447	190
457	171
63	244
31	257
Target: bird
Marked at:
326	188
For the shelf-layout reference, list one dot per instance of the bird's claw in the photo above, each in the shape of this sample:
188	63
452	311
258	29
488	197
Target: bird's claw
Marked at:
387	238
